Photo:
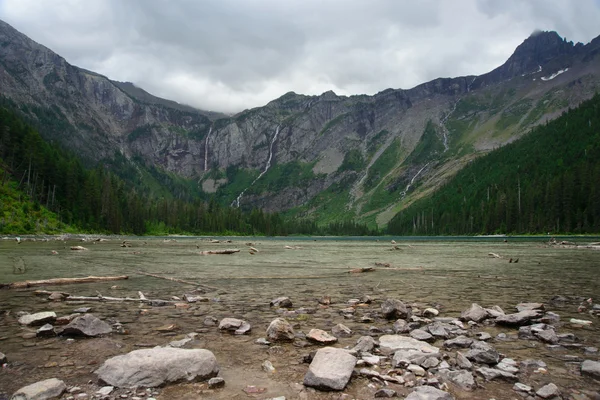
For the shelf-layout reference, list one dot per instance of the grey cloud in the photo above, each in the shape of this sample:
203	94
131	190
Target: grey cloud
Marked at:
233	54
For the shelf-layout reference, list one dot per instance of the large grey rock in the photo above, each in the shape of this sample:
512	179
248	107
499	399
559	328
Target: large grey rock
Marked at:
38	318
459	342
520	318
320	336
483	353
591	368
394	309
490	374
420	334
341	330
463	379
87	325
429	393
529	306
330	369
439	330
282	302
548	391
234	325
462	361
364	344
280	330
401	326
474	313
48	389
398	342
402	358
158	366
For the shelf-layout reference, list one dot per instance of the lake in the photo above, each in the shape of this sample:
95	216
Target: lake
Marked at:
448	273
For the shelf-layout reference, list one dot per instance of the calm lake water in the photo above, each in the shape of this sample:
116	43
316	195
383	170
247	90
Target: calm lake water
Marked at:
450	273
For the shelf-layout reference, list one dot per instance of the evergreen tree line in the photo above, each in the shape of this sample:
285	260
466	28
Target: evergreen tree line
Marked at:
97	200
547	181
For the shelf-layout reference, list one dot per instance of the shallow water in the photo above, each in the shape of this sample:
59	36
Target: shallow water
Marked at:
450	274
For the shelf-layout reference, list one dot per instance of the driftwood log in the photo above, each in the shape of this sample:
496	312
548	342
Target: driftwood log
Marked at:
62	281
361	270
224	251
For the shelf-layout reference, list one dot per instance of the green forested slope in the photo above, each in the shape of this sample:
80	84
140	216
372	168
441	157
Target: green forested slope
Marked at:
548	181
45	189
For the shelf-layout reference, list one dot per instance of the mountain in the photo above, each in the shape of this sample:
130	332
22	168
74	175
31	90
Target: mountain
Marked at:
327	157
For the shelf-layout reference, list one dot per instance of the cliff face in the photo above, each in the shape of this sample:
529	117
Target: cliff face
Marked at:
328	155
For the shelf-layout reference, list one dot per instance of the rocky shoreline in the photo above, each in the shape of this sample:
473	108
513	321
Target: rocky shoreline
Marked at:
412	351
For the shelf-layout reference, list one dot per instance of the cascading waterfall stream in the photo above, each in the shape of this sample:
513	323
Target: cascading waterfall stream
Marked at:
412	181
236	202
206	149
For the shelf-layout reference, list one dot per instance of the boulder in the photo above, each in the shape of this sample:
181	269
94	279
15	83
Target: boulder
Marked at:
38	318
439	330
490	374
385	393
495	311
483	353
591	368
429	393
475	313
520	318
430	312
364	344
45	330
341	330
282	302
394	309
548	391
158	366
420	334
48	389
529	306
330	369
462	361
87	325
280	330
399	342
460	342
234	325
403	358
401	326
463	379
3	358
320	336
508	365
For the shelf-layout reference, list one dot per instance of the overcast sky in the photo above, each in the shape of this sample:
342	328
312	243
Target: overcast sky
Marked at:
228	55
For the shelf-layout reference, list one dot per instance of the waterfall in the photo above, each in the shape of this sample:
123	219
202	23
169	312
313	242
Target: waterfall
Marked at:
206	149
236	202
412	181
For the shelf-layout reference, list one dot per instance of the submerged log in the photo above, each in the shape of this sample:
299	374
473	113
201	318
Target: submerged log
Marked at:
62	281
224	251
176	280
361	270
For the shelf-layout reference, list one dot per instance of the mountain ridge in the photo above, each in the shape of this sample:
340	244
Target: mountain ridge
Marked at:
324	156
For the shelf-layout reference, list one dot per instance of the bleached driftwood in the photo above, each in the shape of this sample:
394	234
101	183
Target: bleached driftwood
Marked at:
224	251
494	255
62	281
100	297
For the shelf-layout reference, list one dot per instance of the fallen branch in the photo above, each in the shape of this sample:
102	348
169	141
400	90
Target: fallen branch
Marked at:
142	299
361	270
62	281
175	280
225	251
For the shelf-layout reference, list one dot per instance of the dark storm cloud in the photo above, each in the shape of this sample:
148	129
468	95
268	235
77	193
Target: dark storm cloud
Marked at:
232	54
